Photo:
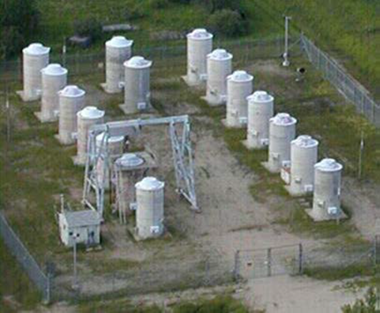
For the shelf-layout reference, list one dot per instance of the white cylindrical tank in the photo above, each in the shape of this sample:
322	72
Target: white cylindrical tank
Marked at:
239	87
327	184
54	79
137	84
115	147
219	67
71	101
118	50
282	130
199	45
150	207
260	111
303	156
86	118
35	58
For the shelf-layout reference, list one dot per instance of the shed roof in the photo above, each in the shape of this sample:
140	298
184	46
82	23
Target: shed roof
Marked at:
81	218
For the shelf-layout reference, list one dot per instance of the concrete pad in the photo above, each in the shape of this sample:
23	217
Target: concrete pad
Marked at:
224	122
213	103
104	87
192	84
63	143
21	94
326	217
295	194
45	120
269	168
77	162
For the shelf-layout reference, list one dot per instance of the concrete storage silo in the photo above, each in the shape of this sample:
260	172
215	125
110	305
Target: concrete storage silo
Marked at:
303	155
71	101
219	67
199	45
118	50
260	111
35	58
150	208
282	130
137	85
86	118
239	87
54	79
115	147
327	184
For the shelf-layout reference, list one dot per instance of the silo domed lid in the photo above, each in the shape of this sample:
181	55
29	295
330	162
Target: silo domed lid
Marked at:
150	183
305	141
129	160
90	113
200	34
240	76
260	97
220	55
36	49
283	119
54	69
119	42
72	91
113	139
138	62
328	165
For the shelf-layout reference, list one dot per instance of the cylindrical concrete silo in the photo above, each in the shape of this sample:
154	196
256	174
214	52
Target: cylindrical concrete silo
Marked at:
303	155
327	184
219	67
260	111
239	87
35	58
118	50
71	101
86	118
54	79
150	208
115	148
137	85
282	130
199	45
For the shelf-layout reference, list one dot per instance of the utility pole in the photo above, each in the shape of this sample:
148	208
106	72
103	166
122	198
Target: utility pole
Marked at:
286	51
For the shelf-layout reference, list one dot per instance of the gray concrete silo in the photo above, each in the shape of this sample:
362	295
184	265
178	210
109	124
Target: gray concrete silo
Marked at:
199	45
118	50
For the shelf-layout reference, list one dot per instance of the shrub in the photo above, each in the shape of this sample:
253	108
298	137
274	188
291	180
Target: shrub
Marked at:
228	23
90	27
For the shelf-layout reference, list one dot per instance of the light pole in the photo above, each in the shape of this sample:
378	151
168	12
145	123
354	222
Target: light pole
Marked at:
286	52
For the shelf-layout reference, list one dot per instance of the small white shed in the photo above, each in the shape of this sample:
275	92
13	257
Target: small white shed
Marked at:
82	225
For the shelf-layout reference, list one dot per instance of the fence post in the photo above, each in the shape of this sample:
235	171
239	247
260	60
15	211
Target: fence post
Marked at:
269	261
300	259
236	265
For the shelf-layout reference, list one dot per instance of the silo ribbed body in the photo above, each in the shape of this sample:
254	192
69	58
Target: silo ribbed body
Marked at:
199	45
219	67
115	149
137	85
327	188
260	111
71	101
54	79
86	118
118	50
35	58
239	87
282	130
150	208
304	155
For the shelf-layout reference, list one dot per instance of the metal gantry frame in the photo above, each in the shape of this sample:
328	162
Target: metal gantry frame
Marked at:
179	132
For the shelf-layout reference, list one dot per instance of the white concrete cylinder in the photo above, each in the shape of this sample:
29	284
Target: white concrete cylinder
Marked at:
260	111
137	84
282	130
71	101
54	79
303	157
239	87
327	188
115	147
150	208
219	67
86	118
118	50
35	58
199	45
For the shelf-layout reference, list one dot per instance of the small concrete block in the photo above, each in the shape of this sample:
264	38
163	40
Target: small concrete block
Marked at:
77	162
294	194
45	120
269	168
326	217
21	94
192	84
104	87
63	143
213	103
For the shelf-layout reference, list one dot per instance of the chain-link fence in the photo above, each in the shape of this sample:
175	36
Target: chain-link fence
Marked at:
25	259
352	90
